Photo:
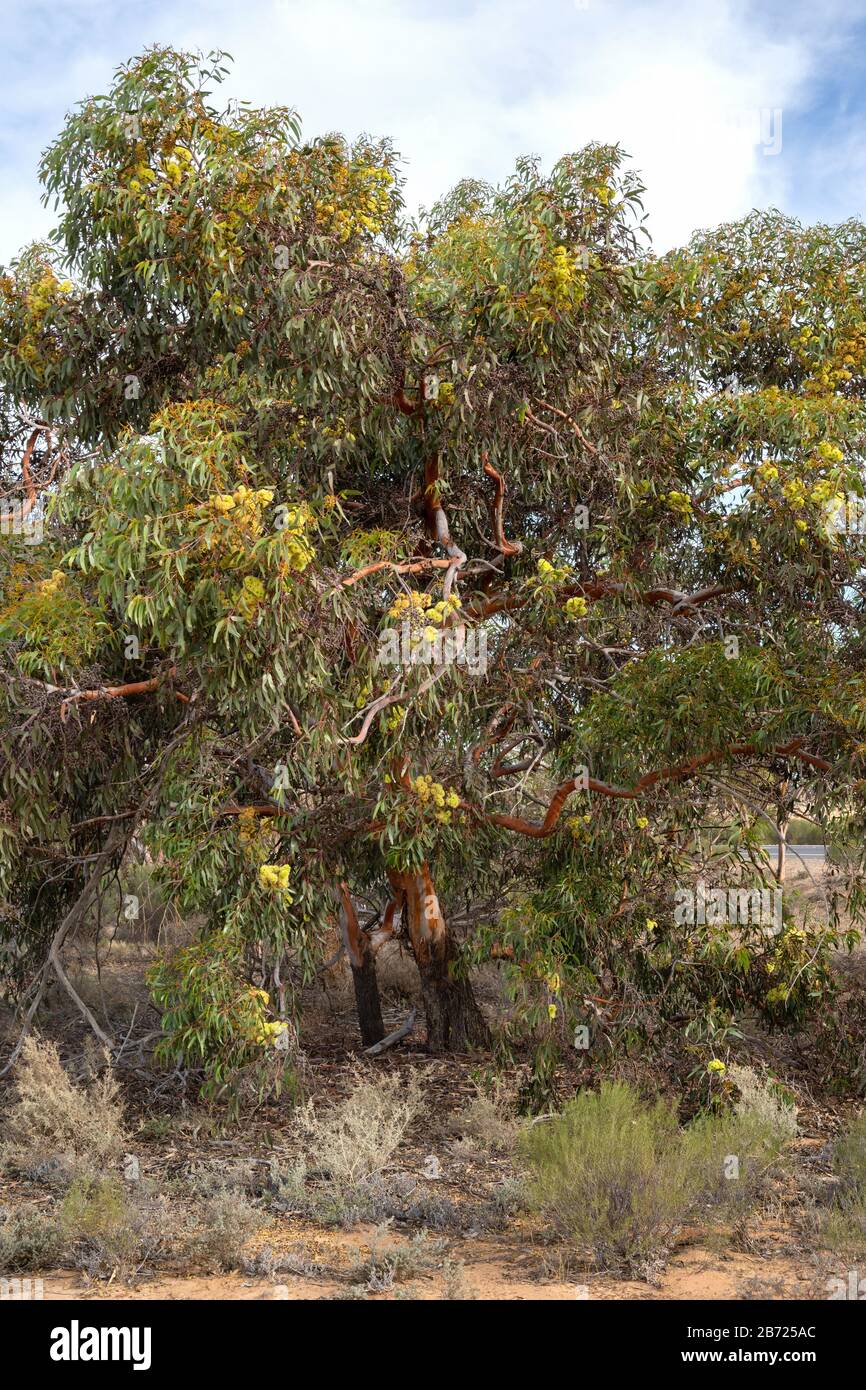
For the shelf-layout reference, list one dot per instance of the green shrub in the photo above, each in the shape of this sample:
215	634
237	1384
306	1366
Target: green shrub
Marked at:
849	1159
617	1177
30	1242
99	1221
844	1227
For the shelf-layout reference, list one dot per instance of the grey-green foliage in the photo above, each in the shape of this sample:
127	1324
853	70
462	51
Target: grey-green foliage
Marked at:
617	1177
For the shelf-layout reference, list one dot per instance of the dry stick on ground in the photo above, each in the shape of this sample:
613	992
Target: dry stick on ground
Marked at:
402	1032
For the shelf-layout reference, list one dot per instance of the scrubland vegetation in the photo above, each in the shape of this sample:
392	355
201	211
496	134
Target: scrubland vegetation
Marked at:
415	634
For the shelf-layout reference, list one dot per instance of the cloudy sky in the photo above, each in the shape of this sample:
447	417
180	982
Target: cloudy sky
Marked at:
723	105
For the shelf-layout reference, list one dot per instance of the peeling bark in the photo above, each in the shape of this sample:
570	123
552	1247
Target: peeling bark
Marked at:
454	1020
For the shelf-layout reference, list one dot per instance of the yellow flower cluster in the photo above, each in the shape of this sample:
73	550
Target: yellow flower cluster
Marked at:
849	352
243	510
411	607
260	1031
552	574
680	503
795	492
250	835
275	877
50	586
830	453
560	284
395	718
575	608
250	595
44	292
299	552
360	202
271	1032
245	502
825	491
577	825
418	608
445	799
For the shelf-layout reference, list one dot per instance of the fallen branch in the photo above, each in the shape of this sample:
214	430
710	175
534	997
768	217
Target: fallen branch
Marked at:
391	1038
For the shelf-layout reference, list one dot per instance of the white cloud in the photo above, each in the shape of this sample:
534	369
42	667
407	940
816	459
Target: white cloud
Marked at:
463	88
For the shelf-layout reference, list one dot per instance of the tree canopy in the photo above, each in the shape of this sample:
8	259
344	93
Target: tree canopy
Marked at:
482	567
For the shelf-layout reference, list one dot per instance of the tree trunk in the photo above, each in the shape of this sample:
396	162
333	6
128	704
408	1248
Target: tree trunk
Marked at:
364	979
454	1020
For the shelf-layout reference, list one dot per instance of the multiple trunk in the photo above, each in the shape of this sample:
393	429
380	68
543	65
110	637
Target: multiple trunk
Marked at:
454	1020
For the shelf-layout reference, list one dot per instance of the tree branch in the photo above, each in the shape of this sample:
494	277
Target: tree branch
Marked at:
541	829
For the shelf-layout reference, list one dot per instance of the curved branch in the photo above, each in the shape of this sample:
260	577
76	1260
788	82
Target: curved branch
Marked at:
8	519
506	547
541	829
437	522
600	588
572	424
396	567
115	692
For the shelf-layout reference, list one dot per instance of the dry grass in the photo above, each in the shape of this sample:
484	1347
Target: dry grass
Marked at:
356	1139
226	1222
760	1100
56	1129
488	1121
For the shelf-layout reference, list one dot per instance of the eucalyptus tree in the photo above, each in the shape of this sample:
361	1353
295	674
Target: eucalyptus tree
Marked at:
419	564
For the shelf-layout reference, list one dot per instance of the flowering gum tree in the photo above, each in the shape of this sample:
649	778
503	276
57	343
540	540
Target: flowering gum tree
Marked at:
297	455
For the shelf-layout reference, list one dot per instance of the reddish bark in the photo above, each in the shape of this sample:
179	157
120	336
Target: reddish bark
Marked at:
454	1020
